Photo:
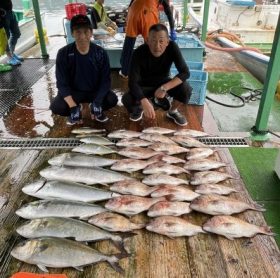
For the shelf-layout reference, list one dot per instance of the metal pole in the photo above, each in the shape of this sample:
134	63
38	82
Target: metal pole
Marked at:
259	131
185	13
40	28
205	20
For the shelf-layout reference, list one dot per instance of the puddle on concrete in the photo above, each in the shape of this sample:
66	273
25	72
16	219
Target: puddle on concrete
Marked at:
31	117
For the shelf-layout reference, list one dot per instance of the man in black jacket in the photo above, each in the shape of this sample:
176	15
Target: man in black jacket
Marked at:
149	78
83	76
142	14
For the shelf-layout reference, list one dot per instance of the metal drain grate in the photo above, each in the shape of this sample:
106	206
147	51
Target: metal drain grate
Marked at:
224	141
65	143
40	144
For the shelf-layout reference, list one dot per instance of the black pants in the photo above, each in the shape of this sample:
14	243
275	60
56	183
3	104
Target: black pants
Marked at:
181	93
126	55
60	107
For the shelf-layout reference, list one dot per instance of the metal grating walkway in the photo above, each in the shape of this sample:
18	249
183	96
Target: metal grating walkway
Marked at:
63	143
23	77
16	83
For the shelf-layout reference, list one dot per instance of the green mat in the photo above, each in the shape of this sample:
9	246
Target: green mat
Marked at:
256	168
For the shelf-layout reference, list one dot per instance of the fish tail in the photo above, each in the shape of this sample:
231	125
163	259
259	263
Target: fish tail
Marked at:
120	243
155	158
187	171
120	246
267	230
127	234
113	261
116	267
258	207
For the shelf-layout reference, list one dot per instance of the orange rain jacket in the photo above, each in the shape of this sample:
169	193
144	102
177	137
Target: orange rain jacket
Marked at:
142	14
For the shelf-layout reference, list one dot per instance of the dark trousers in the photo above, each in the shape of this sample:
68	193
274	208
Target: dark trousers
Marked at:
12	30
126	55
181	93
60	107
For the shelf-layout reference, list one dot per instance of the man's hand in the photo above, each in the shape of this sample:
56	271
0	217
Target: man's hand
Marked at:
148	109
159	93
75	114
173	35
95	110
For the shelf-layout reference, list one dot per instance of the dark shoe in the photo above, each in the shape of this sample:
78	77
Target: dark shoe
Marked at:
102	118
18	57
137	115
69	121
122	75
163	103
177	117
14	62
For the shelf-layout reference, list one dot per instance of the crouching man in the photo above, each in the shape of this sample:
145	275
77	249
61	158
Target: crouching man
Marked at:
83	76
149	79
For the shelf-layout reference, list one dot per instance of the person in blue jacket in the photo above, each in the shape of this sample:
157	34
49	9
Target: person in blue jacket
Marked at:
83	76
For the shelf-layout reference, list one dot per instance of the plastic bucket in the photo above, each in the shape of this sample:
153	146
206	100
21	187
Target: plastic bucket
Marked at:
74	9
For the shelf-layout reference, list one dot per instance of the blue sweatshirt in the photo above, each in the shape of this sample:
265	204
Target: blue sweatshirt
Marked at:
89	73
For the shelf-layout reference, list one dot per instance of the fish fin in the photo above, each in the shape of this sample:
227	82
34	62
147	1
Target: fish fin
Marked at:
228	237
109	218
170	224
169	197
42	267
79	268
127	234
228	224
215	202
105	184
119	245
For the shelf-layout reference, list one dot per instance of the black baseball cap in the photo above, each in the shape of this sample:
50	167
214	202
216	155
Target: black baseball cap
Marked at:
79	21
